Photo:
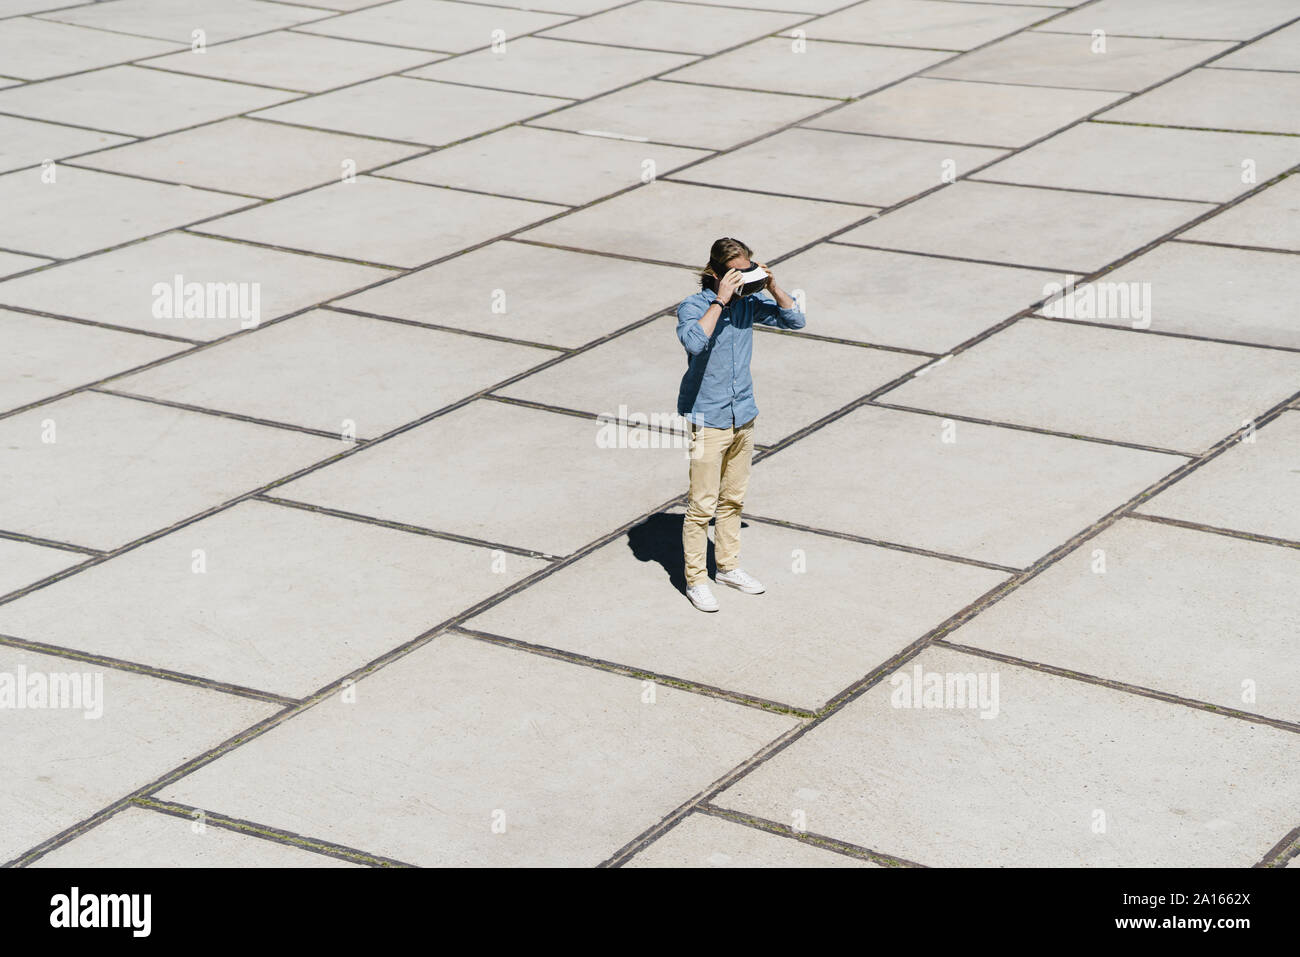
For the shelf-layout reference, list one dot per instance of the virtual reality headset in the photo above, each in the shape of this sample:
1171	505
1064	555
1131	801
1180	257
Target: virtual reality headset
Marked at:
752	279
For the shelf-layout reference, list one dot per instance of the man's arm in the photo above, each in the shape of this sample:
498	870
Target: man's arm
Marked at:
695	326
784	313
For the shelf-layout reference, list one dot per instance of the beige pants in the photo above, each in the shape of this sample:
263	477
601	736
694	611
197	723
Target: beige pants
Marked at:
720	460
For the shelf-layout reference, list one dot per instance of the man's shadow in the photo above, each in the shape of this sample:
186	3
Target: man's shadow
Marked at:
659	539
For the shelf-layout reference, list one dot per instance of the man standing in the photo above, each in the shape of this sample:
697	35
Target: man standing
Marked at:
716	326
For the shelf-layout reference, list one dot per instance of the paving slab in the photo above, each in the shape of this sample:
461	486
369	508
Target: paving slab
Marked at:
178	19
381	221
1189	19
12	263
702	840
678	222
96	483
139	838
434	25
1249	488
13	8
909	301
561	787
107	209
573	7
841	167
30	142
120	287
1009	224
43	357
680	28
33	49
808	638
412	110
1201	290
1038	58
564	167
1191	393
684	114
294	61
800	6
60	766
1277	51
810	68
287	158
527	292
954	111
1145	161
1130	781
925	23
553	67
471	459
336	372
23	563
997	495
1270	218
1246	100
225	624
136	101
797	380
1203	616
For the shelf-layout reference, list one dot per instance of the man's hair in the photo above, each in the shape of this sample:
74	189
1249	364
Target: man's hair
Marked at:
723	251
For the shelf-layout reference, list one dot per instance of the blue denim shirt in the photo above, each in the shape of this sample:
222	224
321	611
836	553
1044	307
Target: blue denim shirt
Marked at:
717	390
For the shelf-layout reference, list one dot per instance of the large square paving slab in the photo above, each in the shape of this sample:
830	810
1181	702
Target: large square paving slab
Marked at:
101	481
434	24
950	110
1010	224
381	221
998	495
1246	100
287	158
23	563
1067	774
797	380
412	110
1213	291
503	473
842	167
329	370
1279	50
139	838
294	61
815	68
1270	218
1191	393
925	23
1144	161
529	292
684	114
908	301
702	840
681	28
678	222
31	142
562	167
568	762
1252	487
32	49
136	101
1190	613
60	766
833	611
553	67
178	19
149	605
118	287
1065	59
107	209
1196	19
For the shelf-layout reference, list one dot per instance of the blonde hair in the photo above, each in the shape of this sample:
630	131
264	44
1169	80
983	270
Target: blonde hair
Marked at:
722	252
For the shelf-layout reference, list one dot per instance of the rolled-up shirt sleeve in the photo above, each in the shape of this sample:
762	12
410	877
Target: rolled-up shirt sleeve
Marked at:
689	330
768	313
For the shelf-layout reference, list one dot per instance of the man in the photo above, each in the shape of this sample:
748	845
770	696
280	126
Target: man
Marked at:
716	326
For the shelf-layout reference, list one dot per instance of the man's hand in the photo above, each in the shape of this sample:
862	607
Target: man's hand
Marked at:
783	299
728	285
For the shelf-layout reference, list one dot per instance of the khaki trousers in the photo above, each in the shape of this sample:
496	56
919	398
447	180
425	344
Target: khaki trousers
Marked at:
719	472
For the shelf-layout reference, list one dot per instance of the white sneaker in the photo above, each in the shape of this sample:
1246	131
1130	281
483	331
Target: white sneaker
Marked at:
702	597
737	578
